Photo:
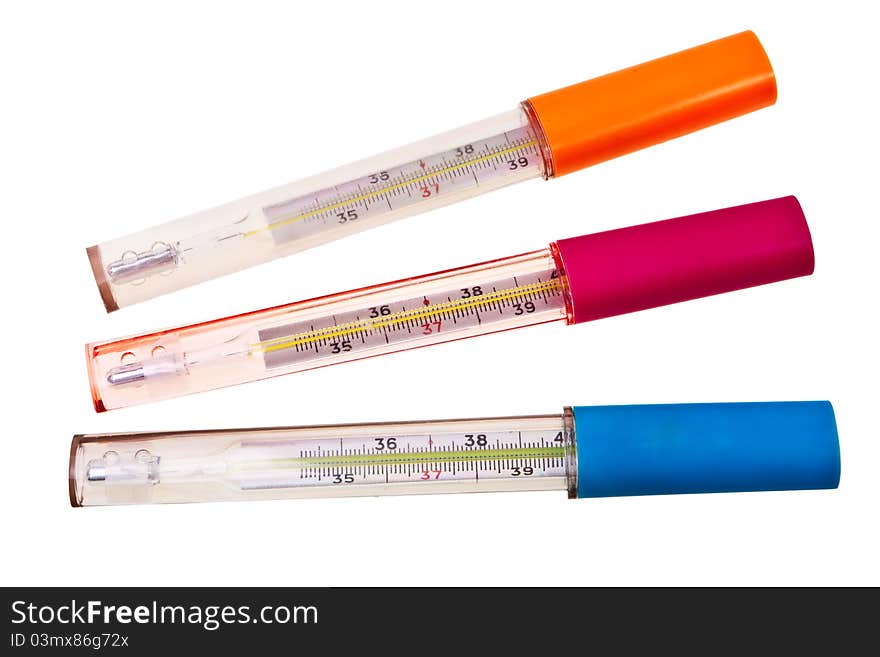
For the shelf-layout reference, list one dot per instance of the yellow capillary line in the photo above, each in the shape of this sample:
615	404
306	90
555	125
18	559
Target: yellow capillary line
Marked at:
267	346
476	301
404	457
378	192
404	315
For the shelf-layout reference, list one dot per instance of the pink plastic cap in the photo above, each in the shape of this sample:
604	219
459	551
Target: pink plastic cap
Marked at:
622	271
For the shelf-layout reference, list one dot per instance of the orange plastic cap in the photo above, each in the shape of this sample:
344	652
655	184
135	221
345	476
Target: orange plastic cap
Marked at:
622	112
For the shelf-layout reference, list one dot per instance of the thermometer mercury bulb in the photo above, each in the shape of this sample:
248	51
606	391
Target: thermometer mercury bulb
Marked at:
573	280
546	136
589	451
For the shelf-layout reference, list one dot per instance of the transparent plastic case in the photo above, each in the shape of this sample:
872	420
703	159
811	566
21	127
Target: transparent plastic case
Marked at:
446	168
450	456
493	296
548	135
589	451
576	280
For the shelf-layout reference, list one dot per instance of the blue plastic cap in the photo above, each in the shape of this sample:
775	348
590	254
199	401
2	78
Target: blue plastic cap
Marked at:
705	448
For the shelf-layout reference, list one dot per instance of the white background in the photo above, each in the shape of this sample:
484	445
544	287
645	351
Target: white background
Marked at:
115	118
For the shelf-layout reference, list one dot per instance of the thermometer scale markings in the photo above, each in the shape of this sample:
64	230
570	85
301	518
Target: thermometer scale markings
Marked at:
407	184
414	458
396	322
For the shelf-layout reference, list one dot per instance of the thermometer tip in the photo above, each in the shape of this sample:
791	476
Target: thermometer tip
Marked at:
125	374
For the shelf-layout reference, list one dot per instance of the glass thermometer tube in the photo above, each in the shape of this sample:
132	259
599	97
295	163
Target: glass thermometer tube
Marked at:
573	280
547	135
588	451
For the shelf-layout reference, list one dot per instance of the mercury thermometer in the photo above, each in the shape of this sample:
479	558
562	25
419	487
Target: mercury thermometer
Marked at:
573	280
590	451
546	136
